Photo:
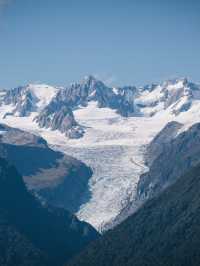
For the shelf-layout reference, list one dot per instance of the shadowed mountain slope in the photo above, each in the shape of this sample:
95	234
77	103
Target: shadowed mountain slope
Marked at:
30	233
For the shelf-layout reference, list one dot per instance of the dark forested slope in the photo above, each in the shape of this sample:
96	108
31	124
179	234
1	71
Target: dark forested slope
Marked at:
32	234
164	232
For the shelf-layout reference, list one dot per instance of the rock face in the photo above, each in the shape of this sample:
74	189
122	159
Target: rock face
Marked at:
58	116
164	232
22	101
126	101
91	89
56	178
32	234
174	157
78	94
169	155
164	137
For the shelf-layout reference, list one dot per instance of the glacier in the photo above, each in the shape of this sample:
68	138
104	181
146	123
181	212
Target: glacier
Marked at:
114	146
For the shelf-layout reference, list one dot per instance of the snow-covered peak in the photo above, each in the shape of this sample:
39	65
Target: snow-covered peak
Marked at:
174	96
26	99
43	93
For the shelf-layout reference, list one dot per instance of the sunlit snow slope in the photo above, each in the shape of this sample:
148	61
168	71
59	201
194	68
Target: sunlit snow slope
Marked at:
44	93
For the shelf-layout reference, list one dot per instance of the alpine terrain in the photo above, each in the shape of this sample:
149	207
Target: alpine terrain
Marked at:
113	132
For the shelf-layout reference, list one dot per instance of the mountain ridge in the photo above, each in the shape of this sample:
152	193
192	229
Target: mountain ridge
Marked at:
55	106
53	176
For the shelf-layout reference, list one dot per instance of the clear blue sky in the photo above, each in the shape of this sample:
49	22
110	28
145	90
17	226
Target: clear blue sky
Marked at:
122	42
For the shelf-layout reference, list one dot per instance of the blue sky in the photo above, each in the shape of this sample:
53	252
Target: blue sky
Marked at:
122	42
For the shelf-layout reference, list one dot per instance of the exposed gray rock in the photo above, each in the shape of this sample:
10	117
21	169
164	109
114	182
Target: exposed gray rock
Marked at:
157	145
172	160
21	99
90	89
125	102
57	116
13	96
26	106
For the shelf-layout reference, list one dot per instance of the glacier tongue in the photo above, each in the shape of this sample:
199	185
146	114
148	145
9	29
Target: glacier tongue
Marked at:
107	147
113	147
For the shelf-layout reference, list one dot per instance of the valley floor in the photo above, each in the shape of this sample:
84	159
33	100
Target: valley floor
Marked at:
113	147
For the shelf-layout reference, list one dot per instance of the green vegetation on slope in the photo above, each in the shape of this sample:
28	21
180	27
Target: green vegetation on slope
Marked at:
164	232
32	234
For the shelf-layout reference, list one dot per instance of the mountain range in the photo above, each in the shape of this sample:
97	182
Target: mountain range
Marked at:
55	106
